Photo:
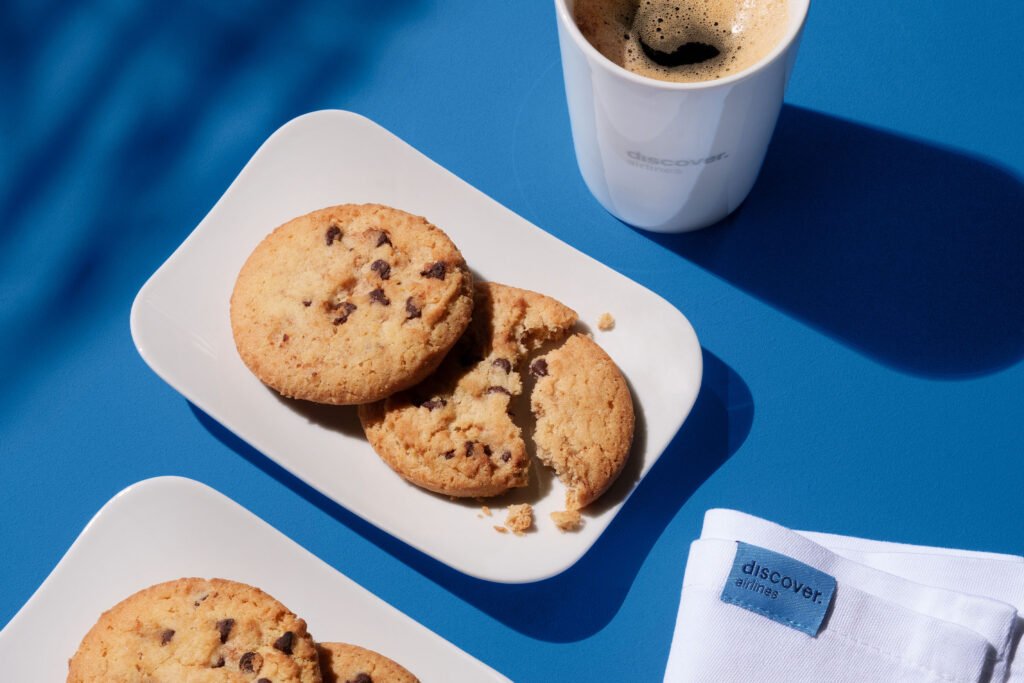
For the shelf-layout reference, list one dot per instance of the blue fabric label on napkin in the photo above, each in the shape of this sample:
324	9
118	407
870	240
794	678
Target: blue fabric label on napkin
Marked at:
779	587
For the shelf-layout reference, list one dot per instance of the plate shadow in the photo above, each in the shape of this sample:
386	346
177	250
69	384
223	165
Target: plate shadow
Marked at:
582	600
904	251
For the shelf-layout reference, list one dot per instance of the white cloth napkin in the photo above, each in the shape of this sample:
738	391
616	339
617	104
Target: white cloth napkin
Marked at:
898	613
993	575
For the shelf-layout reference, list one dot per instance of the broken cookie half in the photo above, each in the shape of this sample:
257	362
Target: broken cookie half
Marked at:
585	418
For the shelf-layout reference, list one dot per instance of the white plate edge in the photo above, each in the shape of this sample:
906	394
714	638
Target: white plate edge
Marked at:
691	342
208	491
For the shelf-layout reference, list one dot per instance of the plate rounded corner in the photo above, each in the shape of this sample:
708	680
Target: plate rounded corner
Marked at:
316	116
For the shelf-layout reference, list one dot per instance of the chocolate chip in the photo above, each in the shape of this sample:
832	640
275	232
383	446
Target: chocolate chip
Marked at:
502	363
412	309
333	233
218	664
284	338
435	270
382	268
383	239
434	403
448	455
284	643
539	368
201	598
377	296
347	308
498	390
487	450
360	678
505	456
251	662
262	680
469	448
306	302
166	636
224	626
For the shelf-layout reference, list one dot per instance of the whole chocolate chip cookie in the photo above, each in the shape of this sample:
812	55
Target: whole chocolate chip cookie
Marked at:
584	418
350	303
453	433
197	629
344	663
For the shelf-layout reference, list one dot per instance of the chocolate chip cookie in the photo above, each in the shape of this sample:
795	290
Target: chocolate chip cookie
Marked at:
197	629
350	303
344	663
584	417
452	433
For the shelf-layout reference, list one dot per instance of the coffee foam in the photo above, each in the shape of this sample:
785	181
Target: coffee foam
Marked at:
743	31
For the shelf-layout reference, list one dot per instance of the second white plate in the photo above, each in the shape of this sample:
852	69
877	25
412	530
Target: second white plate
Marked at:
181	327
166	528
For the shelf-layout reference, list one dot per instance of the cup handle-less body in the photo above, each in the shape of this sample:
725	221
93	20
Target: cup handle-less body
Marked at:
671	157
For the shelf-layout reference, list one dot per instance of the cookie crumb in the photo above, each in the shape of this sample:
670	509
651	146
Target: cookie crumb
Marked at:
486	510
606	322
567	520
501	529
520	518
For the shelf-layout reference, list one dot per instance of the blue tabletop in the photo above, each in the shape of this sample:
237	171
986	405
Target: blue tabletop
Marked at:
862	315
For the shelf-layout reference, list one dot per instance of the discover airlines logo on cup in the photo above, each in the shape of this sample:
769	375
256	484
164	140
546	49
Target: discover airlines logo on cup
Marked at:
668	165
672	156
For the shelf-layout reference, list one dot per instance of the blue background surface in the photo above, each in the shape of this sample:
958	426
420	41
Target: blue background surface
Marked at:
862	314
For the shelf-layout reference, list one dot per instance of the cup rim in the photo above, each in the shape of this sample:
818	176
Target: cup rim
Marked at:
594	55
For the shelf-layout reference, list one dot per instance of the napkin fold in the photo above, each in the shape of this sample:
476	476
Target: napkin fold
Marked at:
761	602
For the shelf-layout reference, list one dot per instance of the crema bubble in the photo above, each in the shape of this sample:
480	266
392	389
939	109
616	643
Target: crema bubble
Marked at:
683	41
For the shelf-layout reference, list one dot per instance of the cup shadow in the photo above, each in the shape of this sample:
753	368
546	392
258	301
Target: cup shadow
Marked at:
583	599
911	254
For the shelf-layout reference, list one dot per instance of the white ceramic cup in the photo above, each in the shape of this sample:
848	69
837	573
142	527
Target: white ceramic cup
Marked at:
671	157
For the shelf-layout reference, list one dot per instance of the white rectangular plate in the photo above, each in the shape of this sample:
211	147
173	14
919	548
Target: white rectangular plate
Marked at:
166	528
180	324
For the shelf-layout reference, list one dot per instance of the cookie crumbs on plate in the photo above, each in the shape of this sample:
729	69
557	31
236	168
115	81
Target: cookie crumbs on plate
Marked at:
486	510
606	322
567	520
520	518
501	529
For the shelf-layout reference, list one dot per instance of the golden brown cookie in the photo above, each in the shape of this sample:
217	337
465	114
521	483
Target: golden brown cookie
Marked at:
584	418
452	433
350	303
197	630
344	663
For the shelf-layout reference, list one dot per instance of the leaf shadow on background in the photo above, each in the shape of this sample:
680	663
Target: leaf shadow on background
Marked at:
125	125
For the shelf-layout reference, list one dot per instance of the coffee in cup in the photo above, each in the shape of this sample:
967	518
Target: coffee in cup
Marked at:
683	41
